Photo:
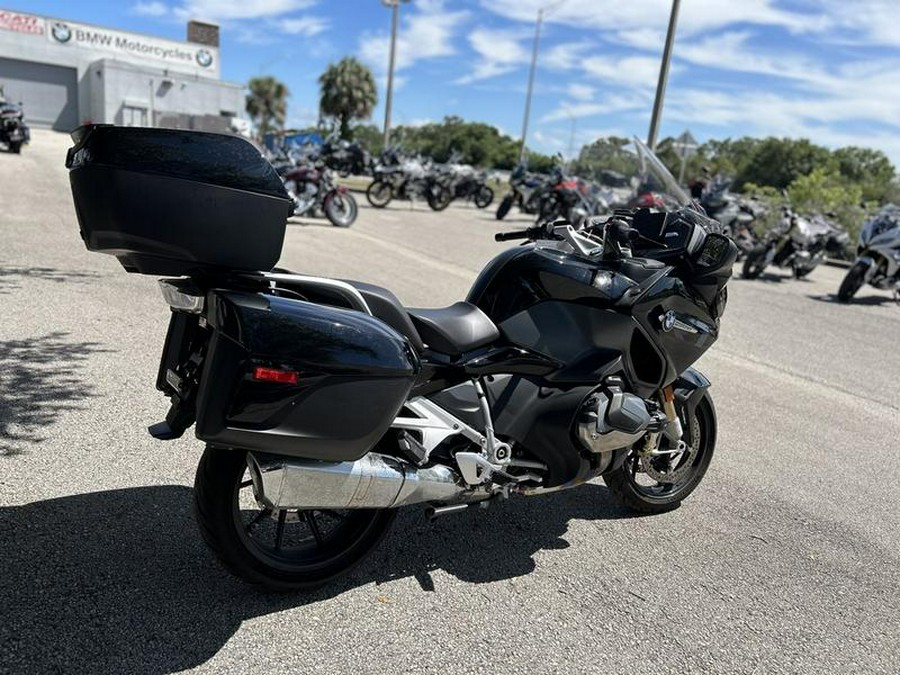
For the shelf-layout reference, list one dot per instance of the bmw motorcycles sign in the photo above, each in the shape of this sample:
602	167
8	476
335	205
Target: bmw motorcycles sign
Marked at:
202	59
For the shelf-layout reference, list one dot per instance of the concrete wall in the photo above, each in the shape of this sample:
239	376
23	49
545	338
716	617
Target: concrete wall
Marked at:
160	92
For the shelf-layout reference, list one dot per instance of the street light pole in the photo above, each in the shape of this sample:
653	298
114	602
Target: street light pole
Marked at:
663	77
534	53
395	11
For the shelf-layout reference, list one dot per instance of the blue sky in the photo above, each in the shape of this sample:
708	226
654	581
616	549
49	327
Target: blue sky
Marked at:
822	69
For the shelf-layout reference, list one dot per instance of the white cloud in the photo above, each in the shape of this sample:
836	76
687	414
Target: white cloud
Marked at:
695	16
499	51
428	31
306	26
635	72
868	22
610	105
150	9
564	56
223	10
581	92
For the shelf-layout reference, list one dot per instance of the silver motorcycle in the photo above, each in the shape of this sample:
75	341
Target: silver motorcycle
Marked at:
878	256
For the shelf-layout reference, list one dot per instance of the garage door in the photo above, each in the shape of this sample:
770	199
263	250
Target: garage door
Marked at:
48	93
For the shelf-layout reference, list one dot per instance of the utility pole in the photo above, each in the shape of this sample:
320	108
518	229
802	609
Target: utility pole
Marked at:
395	11
663	77
534	53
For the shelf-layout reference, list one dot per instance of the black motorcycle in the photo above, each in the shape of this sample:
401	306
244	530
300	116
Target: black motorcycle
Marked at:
326	405
14	133
346	158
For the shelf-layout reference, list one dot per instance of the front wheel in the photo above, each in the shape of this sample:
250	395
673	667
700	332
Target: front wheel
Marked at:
341	209
283	550
755	263
379	194
856	277
15	147
505	205
660	483
438	197
484	197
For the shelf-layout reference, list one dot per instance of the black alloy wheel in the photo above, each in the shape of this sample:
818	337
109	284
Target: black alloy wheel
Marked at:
283	550
635	488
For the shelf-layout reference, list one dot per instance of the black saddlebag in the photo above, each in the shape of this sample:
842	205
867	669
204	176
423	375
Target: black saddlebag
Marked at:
293	378
169	202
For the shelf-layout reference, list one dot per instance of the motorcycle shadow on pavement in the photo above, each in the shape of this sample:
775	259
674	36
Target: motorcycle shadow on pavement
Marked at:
120	581
764	277
862	300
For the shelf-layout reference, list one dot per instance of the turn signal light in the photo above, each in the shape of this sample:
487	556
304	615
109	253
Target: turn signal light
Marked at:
275	375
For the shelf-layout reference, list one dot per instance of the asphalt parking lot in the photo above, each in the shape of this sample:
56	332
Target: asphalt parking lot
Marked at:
784	561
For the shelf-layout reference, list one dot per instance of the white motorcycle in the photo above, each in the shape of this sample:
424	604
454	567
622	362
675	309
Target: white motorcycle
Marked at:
878	256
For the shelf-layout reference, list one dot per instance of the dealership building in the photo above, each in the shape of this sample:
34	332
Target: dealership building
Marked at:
66	73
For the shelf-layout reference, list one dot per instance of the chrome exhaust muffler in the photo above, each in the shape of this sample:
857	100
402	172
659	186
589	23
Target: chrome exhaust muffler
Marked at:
374	481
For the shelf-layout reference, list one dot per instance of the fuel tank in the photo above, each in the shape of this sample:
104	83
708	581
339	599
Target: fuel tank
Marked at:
589	314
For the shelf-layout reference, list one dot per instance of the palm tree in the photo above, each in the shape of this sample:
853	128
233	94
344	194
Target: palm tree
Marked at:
267	103
347	92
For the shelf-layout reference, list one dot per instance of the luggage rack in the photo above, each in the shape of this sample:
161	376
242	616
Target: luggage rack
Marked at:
342	289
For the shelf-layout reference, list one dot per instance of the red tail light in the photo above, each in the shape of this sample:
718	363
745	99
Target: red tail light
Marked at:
275	375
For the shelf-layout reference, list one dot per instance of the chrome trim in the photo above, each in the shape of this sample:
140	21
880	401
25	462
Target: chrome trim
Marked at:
374	481
347	291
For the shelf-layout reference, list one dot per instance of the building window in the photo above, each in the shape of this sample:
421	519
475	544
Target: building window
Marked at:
132	116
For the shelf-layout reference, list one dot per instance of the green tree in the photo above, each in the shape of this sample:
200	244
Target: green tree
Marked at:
369	136
347	92
605	154
267	104
779	161
870	169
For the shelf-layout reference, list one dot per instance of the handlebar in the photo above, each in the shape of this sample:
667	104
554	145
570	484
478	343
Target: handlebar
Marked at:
530	233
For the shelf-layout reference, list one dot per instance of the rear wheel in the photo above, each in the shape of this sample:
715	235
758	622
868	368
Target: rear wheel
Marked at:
505	205
484	197
341	209
379	194
15	147
660	483
755	263
284	550
856	277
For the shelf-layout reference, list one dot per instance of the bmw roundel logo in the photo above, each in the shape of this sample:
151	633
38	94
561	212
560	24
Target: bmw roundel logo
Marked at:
61	32
204	58
668	321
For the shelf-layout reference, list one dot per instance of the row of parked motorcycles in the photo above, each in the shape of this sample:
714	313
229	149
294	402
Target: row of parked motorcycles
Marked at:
310	183
415	178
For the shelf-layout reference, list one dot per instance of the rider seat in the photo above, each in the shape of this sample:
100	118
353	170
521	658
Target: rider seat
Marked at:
452	330
456	329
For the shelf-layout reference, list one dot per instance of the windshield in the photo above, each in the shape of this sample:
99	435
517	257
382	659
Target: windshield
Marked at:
886	219
651	164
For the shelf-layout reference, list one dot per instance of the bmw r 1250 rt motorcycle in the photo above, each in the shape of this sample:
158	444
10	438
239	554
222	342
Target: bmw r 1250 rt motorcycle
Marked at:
878	256
326	405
